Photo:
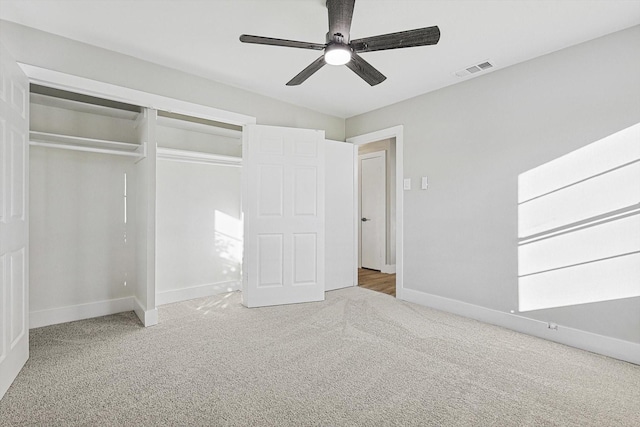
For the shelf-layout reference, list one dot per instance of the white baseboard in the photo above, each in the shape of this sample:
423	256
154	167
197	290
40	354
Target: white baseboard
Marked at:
147	317
607	346
388	269
72	313
200	291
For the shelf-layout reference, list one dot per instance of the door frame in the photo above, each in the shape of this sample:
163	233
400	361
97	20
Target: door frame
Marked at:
100	89
383	223
86	86
396	132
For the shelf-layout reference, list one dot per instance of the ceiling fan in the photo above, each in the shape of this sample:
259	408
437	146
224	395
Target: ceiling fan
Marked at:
341	50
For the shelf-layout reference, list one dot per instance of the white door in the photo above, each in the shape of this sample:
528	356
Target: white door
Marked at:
14	225
283	204
372	210
340	210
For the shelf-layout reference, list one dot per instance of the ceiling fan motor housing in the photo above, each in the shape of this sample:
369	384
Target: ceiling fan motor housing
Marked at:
337	53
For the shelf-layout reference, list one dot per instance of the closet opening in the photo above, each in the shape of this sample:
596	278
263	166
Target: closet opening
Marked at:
83	172
199	234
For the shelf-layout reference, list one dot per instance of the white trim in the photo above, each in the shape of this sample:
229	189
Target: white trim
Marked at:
612	347
84	149
199	291
69	82
172	154
57	138
72	313
147	317
396	132
388	269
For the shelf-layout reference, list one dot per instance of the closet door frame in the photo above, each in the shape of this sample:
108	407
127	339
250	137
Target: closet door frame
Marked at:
147	309
85	86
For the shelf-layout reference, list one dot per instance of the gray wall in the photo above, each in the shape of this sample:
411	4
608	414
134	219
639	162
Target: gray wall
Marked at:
46	50
474	138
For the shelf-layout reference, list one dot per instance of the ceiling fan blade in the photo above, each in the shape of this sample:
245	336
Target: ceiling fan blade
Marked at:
245	38
307	72
365	70
411	38
340	15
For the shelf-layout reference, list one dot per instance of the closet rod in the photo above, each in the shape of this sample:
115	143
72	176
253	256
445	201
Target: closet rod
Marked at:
177	155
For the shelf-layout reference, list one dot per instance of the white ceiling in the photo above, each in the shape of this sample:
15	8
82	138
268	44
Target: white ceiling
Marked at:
201	37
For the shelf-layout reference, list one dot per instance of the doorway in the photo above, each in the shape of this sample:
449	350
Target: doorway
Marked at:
377	212
372	190
396	133
377	281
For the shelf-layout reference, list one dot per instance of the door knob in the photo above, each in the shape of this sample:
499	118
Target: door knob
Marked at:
364	219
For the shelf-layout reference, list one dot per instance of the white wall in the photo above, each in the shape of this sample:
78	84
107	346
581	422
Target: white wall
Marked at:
46	50
473	139
169	137
199	230
78	252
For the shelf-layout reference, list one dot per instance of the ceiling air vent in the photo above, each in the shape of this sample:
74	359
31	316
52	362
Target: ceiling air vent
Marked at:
476	68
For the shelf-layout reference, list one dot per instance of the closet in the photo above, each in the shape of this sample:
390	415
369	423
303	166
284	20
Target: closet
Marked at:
198	212
130	207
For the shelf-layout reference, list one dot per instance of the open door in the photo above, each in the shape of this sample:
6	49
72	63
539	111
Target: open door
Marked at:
14	224
283	187
340	211
372	210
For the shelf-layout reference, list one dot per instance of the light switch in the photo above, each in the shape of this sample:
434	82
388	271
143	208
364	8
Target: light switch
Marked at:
407	183
425	183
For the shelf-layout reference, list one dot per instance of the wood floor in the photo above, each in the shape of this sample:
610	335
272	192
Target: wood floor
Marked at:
376	281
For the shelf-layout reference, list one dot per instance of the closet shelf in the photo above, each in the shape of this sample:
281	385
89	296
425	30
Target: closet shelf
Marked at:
77	143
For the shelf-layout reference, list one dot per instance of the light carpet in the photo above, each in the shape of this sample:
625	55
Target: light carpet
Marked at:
358	358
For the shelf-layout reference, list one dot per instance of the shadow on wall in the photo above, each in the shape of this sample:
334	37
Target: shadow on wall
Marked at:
579	225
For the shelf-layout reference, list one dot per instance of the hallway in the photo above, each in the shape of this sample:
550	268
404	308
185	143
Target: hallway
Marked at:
376	281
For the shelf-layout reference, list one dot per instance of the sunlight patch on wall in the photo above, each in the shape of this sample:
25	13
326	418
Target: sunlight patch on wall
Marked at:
228	237
579	225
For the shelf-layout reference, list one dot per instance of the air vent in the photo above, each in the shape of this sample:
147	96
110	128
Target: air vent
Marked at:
473	69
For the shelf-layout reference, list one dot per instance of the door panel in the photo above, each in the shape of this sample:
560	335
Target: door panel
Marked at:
14	262
270	260
283	204
340	212
372	210
305	191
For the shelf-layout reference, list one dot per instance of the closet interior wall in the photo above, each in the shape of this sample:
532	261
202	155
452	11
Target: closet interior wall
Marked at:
82	222
199	225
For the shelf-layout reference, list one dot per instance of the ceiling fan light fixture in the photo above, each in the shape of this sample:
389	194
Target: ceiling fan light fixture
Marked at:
337	54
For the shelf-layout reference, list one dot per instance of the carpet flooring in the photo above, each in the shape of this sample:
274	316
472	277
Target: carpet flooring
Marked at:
358	358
